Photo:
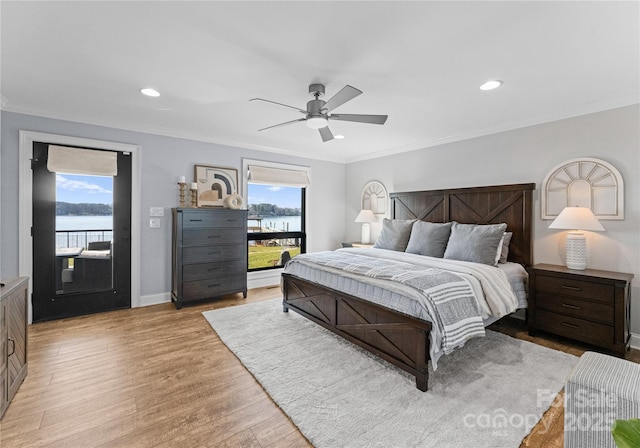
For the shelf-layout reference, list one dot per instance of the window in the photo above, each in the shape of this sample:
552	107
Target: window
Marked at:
276	204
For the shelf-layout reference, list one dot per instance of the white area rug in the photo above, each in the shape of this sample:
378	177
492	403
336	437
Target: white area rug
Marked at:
489	393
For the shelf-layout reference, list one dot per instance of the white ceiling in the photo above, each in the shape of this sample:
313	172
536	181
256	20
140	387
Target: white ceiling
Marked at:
419	62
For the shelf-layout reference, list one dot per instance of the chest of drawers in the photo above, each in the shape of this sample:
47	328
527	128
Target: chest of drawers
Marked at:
209	256
13	338
591	306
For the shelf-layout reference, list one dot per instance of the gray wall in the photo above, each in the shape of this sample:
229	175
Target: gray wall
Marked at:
522	156
163	160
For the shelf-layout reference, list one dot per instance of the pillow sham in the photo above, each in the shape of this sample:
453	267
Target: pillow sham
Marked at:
394	234
474	242
429	238
504	247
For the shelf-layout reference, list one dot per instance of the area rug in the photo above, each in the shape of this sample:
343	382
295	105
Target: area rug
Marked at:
489	393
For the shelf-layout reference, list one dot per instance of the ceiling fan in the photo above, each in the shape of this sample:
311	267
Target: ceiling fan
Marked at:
318	111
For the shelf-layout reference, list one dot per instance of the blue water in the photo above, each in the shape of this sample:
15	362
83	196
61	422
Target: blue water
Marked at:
83	222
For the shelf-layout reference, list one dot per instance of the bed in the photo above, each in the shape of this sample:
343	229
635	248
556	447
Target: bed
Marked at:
395	336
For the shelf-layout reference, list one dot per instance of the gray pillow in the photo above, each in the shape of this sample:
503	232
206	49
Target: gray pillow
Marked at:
504	249
429	238
394	234
472	242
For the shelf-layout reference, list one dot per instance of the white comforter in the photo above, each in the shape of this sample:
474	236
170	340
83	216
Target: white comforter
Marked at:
490	285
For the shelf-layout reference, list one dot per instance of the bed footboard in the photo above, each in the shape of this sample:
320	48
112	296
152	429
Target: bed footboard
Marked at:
393	336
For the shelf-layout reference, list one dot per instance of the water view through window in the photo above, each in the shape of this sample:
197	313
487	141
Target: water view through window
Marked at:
276	225
84	231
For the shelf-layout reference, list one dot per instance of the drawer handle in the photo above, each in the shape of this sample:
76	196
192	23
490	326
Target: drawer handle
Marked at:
232	220
214	236
573	307
214	253
195	220
13	347
571	325
213	286
214	269
572	288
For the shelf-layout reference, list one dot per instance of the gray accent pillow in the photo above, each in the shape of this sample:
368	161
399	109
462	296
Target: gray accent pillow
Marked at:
473	242
504	249
429	238
394	234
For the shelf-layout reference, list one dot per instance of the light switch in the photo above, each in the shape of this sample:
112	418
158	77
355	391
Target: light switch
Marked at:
156	211
154	223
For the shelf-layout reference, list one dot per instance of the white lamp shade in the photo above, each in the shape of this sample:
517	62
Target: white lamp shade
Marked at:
577	218
366	216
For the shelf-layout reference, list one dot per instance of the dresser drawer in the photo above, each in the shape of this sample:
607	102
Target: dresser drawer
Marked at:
207	254
204	289
198	220
220	269
211	236
575	307
572	327
575	288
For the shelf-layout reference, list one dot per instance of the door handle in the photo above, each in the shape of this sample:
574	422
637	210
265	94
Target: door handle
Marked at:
13	347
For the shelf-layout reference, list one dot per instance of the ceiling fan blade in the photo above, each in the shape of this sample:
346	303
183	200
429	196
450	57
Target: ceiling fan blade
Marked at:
283	124
326	134
359	118
279	104
346	94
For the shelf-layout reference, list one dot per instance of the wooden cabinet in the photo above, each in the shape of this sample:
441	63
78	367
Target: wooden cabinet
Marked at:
13	338
591	306
209	254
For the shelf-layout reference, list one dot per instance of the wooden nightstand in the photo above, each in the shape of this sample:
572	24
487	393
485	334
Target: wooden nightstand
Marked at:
590	306
361	245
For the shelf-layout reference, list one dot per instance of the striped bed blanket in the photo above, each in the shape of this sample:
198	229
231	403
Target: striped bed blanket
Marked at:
449	297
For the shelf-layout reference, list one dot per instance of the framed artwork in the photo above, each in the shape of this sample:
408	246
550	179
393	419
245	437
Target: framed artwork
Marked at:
215	184
375	198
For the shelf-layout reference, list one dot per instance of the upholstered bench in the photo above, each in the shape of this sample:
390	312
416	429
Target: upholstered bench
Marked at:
599	390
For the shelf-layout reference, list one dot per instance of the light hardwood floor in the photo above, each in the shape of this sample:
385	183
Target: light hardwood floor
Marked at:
143	377
154	377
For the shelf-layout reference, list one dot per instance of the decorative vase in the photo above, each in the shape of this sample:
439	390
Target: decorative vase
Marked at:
233	201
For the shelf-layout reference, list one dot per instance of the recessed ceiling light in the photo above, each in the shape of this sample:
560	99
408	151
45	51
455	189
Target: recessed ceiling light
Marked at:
149	92
339	136
490	85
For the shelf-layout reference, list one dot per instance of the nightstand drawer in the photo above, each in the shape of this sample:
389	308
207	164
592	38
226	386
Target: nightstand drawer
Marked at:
575	288
571	327
576	307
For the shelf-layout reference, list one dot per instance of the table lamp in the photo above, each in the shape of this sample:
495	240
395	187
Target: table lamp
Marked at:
576	219
366	217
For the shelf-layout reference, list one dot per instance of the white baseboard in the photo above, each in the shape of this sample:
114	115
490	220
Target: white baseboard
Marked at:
151	299
635	341
260	279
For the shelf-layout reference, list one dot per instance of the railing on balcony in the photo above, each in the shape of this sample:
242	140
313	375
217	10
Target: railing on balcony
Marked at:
81	238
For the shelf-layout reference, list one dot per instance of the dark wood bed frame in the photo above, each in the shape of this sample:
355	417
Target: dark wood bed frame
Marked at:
395	337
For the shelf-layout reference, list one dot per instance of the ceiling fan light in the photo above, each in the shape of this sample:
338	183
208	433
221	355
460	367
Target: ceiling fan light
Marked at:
317	122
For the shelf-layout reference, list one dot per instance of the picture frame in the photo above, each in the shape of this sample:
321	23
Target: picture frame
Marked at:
214	184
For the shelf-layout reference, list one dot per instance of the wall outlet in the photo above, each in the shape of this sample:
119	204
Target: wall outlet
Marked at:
156	211
154	223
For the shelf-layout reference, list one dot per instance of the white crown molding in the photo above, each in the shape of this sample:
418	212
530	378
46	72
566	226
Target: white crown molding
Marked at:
26	110
584	109
587	109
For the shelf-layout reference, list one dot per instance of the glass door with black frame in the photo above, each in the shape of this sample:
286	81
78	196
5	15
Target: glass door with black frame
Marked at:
81	231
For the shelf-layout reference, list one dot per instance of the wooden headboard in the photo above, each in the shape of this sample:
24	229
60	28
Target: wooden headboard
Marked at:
511	204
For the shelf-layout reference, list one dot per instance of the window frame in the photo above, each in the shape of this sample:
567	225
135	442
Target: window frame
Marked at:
257	236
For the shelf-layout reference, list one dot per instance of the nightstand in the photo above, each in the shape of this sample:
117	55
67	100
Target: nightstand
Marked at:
591	306
356	244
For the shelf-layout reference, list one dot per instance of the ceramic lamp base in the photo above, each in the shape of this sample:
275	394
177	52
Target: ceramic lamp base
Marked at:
576	246
365	236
